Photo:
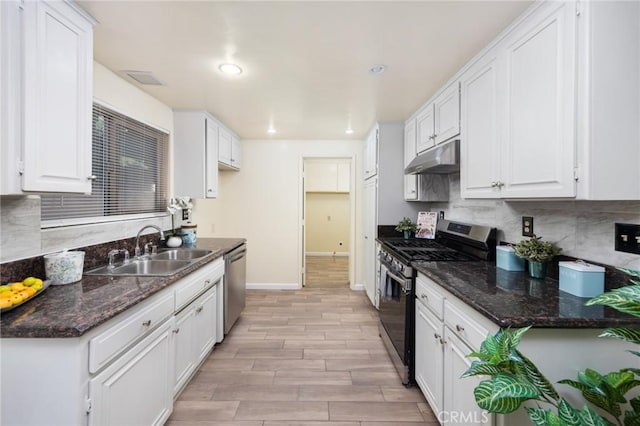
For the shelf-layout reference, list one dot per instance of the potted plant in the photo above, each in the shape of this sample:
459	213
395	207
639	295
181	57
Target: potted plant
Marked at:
537	253
406	226
514	378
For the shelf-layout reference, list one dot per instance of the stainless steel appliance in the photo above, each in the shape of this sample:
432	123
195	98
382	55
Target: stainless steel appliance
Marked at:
235	273
455	241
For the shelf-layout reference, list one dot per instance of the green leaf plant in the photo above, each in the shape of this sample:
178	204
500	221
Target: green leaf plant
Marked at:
514	379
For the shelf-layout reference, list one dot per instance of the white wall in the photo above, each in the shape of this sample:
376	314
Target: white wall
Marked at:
262	204
21	236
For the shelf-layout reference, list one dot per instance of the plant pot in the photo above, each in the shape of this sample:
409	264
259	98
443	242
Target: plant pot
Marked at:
406	234
537	270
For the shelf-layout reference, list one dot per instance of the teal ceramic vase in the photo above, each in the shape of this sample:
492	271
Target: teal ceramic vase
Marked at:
537	270
406	234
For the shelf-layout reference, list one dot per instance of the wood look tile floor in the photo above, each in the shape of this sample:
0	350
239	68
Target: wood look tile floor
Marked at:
327	271
311	357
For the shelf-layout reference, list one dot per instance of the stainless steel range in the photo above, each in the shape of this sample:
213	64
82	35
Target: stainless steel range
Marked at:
455	241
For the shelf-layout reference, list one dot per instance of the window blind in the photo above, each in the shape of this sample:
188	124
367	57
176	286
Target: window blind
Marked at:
130	162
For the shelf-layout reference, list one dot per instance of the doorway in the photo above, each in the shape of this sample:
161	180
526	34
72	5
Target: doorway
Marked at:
327	222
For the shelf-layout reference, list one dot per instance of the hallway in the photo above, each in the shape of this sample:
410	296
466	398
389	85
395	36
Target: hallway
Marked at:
311	357
327	272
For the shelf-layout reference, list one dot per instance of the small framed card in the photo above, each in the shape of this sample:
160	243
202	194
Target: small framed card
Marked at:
427	222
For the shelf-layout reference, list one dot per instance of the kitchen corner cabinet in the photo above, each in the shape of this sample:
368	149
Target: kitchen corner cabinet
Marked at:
410	181
123	372
195	154
439	121
47	56
229	150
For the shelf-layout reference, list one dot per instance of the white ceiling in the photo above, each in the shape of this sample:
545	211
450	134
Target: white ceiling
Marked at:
305	63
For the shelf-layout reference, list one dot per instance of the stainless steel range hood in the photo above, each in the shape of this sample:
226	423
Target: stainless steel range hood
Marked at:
444	158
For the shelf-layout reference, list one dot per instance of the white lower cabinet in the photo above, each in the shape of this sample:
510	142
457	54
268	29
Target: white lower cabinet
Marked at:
429	356
446	331
130	391
126	371
459	404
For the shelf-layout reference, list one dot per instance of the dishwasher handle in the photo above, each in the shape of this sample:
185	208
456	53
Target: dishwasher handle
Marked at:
237	255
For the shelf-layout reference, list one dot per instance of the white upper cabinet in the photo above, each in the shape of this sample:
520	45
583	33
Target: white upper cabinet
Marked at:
551	109
439	121
425	129
410	181
539	126
447	114
371	154
480	151
229	155
49	139
195	153
327	175
518	109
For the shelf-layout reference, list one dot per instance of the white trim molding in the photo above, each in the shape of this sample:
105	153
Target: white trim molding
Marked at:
273	286
358	287
327	253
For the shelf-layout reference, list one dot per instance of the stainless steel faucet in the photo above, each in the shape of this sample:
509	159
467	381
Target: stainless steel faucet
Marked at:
138	251
112	255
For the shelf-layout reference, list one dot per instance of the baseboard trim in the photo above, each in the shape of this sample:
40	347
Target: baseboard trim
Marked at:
359	287
327	253
273	286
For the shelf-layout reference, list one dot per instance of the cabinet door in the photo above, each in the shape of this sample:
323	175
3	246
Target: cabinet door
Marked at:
224	146
370	223
425	129
410	181
371	154
58	86
205	323
211	163
429	356
137	388
184	349
236	152
538	158
480	147
459	403
447	114
321	176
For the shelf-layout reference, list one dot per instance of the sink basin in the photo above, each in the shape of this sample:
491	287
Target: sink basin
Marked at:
150	267
181	254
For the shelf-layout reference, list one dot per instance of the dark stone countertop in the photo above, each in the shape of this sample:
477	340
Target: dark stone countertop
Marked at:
512	299
73	309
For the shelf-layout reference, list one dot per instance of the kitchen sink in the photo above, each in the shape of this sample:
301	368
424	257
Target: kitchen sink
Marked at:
180	254
165	263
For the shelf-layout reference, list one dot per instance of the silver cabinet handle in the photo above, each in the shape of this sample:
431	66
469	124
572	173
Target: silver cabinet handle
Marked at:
494	184
176	331
413	191
424	296
198	310
92	177
147	323
443	342
207	282
436	336
459	327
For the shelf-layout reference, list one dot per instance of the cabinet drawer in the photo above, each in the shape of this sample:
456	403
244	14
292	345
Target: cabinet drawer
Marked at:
466	325
104	347
196	283
429	296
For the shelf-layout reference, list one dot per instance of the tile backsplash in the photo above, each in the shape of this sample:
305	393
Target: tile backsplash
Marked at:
22	237
584	229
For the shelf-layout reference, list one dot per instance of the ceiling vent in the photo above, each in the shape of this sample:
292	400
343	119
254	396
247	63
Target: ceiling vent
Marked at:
144	77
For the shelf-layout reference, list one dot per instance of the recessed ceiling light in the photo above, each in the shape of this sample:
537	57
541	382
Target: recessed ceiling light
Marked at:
271	131
349	131
377	69
230	69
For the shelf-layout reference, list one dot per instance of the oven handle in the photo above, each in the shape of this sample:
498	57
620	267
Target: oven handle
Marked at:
405	283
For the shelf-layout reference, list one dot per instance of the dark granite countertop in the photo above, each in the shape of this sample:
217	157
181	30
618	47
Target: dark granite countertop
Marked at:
73	309
512	299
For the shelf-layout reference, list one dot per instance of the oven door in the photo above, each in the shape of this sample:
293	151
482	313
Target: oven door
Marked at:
395	317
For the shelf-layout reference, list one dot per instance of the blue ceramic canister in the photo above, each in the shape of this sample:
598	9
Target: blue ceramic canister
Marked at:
188	233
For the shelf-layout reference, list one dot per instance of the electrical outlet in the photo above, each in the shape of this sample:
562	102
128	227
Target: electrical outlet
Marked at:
627	238
527	226
441	214
185	214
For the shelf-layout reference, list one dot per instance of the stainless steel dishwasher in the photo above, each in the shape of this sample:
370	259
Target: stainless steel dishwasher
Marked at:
235	274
